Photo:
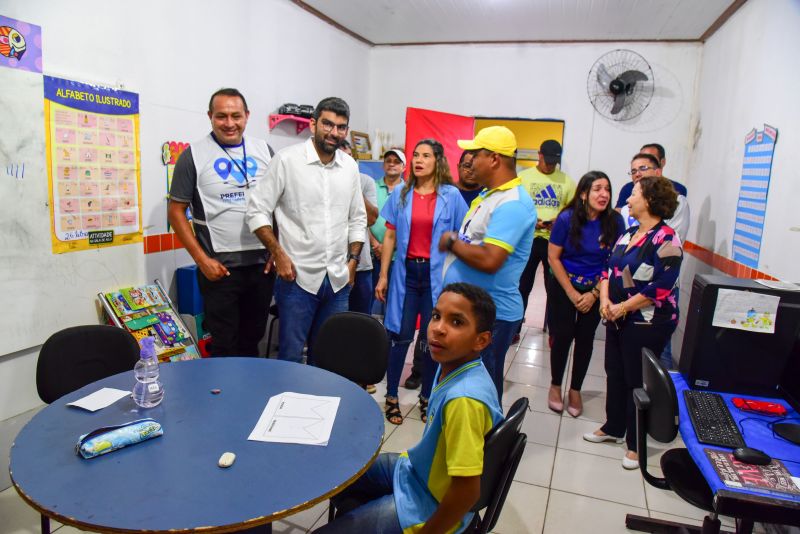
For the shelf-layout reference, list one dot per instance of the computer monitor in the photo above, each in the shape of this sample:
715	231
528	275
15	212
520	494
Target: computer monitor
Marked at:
789	388
725	359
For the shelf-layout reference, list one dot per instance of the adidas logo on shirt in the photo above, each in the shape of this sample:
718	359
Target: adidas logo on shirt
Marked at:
547	198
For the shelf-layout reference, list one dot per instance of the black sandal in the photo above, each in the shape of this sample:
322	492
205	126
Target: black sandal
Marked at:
423	409
393	413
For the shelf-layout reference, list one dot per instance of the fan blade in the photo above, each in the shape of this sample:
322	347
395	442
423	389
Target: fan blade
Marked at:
632	76
603	77
619	103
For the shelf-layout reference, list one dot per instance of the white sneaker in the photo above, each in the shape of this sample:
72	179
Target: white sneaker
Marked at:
594	438
629	464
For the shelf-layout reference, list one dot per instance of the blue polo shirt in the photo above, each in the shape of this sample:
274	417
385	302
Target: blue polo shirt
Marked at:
505	217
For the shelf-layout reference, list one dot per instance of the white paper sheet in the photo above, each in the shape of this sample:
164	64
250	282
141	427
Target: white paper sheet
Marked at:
100	399
296	418
776	284
746	310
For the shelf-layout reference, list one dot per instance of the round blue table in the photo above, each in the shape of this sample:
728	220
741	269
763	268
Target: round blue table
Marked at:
172	483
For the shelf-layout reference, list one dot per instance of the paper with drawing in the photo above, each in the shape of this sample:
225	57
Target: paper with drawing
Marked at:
296	418
746	310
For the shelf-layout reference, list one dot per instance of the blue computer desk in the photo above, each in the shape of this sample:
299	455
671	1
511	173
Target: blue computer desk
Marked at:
780	508
172	483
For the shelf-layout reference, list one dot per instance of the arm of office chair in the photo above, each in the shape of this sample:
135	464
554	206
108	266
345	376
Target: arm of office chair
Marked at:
642	401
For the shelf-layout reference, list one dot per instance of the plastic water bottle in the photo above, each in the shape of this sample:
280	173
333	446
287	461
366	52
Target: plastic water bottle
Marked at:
148	391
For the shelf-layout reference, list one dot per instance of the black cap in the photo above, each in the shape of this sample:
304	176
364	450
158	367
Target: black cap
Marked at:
551	150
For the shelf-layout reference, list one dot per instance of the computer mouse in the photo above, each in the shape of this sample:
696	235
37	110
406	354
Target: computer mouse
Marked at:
751	456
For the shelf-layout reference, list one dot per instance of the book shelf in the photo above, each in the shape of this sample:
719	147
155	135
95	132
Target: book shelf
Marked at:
148	311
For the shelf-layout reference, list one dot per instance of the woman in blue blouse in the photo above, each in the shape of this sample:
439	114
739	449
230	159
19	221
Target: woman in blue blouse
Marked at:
417	215
580	242
639	301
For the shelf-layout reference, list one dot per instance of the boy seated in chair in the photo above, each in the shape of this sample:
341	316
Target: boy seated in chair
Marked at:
431	488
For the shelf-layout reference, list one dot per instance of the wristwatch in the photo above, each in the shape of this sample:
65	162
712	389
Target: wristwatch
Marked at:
451	239
354	257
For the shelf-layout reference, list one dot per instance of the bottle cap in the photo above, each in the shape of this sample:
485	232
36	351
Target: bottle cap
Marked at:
148	346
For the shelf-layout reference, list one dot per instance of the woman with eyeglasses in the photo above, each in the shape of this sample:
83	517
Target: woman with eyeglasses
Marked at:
639	302
417	215
580	243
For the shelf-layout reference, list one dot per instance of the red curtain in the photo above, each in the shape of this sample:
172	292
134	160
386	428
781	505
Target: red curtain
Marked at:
444	127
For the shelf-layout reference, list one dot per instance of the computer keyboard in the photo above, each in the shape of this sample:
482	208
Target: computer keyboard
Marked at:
712	420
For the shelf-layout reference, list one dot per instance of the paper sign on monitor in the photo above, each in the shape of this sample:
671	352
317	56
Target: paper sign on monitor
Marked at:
746	310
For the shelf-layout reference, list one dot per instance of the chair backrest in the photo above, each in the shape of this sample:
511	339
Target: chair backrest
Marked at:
77	356
353	345
661	417
502	451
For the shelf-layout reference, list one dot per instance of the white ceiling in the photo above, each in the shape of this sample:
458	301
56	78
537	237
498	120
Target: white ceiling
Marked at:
442	21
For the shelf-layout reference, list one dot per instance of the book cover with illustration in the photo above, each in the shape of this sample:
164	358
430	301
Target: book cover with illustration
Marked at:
135	298
163	351
770	478
168	328
119	304
153	295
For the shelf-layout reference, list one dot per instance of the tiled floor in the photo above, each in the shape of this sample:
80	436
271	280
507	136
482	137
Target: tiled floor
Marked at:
563	484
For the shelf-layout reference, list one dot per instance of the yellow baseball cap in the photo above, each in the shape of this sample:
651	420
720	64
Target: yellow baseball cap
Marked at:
494	139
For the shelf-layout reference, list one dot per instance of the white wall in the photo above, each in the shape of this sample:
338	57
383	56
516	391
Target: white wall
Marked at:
541	81
175	54
749	77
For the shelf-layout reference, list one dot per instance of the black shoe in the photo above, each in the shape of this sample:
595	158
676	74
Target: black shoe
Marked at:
413	382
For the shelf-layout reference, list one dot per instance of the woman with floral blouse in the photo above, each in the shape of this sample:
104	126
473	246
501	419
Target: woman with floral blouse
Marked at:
638	300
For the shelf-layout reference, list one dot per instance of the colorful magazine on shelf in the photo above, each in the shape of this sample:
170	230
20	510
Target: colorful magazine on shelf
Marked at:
153	295
163	351
118	302
770	478
135	298
168	329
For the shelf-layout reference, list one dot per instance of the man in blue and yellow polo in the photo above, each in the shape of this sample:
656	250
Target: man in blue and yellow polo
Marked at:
494	242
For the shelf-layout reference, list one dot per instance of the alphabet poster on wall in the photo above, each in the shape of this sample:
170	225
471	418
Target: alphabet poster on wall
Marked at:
759	147
92	136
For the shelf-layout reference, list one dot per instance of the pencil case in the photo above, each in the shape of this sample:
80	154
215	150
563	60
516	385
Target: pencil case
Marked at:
110	438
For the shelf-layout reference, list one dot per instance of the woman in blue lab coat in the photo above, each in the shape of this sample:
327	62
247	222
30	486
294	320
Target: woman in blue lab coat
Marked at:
417	215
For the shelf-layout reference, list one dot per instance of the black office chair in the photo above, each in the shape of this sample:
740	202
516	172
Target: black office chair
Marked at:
502	452
353	345
272	318
77	356
657	416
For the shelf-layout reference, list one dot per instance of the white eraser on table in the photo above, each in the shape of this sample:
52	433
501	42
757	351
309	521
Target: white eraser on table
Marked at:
227	459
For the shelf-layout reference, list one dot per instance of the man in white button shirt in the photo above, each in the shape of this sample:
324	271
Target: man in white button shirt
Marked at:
314	191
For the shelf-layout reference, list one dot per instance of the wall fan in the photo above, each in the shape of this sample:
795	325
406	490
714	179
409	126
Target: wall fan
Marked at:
620	85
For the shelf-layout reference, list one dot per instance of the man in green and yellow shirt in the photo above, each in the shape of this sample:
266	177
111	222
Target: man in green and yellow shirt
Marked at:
551	190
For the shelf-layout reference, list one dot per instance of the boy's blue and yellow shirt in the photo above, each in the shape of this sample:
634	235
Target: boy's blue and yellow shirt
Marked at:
463	408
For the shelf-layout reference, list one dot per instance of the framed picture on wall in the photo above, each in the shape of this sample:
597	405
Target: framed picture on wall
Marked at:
361	146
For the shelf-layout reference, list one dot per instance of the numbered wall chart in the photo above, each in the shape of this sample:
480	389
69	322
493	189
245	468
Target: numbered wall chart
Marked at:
93	165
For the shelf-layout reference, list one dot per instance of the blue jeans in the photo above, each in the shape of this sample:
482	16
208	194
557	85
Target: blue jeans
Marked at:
666	355
361	293
417	301
494	356
367	505
302	313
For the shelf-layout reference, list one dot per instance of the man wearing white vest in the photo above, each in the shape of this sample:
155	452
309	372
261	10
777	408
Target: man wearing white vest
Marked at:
215	177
